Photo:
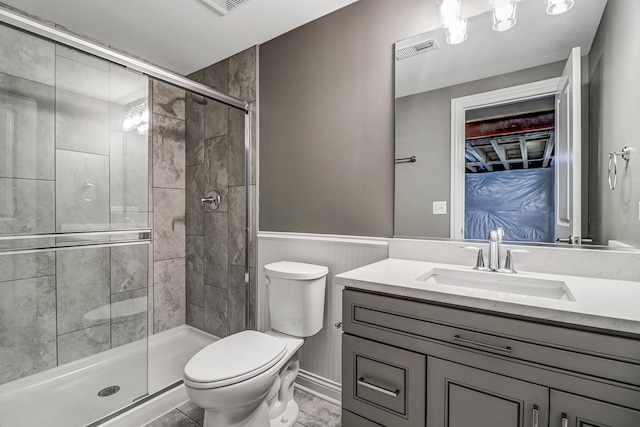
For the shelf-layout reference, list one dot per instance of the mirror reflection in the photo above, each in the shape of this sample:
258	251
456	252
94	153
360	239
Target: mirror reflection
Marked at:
516	128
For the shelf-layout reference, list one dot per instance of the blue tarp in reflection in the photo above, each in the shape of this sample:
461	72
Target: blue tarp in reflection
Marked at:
521	201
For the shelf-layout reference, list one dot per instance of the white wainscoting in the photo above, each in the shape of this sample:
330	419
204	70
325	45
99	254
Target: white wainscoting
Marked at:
320	356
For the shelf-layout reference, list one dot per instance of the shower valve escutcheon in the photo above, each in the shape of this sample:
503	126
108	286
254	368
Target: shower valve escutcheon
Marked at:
212	199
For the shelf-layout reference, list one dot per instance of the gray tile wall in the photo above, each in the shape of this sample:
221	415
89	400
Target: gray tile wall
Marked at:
169	173
215	161
67	165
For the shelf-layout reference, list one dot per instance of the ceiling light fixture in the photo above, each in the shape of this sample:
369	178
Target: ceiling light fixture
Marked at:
457	31
504	14
449	12
556	7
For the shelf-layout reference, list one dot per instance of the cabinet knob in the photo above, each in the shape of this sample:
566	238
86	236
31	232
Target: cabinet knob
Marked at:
565	420
535	415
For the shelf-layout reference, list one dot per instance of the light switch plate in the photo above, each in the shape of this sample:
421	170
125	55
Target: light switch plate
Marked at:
439	208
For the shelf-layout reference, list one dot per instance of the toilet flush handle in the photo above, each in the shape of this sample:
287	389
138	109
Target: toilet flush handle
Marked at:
338	325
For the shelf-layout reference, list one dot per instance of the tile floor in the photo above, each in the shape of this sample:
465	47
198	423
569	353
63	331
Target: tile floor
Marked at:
314	412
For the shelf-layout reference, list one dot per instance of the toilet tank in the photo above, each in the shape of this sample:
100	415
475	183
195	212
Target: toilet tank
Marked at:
296	297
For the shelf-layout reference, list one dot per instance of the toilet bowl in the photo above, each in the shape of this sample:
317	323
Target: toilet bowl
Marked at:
246	379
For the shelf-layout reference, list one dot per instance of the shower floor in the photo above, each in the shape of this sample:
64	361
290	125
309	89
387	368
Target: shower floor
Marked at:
67	396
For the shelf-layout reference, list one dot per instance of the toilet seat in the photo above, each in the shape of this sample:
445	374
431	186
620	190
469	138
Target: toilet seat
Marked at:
233	359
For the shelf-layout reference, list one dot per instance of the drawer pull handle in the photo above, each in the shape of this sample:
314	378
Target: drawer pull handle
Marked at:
363	383
535	415
565	420
481	344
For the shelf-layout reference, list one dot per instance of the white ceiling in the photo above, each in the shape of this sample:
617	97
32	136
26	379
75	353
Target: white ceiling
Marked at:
180	35
536	39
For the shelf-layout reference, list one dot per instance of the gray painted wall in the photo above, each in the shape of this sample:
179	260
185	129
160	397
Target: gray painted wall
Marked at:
614	69
326	119
423	129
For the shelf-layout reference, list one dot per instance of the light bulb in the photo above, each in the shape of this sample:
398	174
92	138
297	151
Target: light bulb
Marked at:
449	11
137	119
457	31
504	15
127	124
145	116
556	7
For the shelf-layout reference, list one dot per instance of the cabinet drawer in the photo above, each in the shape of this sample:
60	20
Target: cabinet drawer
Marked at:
609	357
383	382
349	419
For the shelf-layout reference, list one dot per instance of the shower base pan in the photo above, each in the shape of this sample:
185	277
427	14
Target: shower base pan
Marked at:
81	392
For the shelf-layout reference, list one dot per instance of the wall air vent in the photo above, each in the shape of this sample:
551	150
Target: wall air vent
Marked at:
224	6
415	49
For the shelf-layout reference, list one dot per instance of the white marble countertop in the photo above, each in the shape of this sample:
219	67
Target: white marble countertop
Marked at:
599	303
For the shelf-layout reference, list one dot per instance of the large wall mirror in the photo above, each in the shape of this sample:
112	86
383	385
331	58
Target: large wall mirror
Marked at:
532	128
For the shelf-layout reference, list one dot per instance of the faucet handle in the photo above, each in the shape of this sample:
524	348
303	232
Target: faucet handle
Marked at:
480	260
508	264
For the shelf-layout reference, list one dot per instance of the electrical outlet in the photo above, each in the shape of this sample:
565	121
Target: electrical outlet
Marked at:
439	208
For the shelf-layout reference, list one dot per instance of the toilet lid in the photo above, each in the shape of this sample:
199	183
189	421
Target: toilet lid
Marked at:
295	270
235	358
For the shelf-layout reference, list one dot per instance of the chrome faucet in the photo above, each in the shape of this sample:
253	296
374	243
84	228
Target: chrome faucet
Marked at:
495	239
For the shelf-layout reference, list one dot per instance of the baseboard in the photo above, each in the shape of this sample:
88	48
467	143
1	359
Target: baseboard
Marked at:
323	388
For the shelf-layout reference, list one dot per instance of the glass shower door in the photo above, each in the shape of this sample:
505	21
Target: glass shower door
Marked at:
74	236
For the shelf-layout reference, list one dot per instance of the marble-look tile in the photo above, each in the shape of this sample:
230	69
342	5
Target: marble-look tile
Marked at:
242	75
168	100
26	56
193	200
174	418
236	300
192	411
85	342
169	223
216	119
195	270
236	147
129	220
81	75
169	294
194	133
26	206
195	316
83	289
315	412
28	332
216	166
128	317
216	76
129	172
168	152
82	122
26	149
129	268
197	76
25	266
82	191
127	88
237	215
76	55
215	311
216	254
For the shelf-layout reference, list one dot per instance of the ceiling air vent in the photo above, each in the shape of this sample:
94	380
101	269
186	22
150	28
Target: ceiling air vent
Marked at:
414	49
225	6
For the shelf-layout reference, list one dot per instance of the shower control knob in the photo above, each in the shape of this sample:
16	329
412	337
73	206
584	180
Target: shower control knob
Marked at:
212	198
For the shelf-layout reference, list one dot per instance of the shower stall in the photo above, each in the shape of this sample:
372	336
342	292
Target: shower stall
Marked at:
77	235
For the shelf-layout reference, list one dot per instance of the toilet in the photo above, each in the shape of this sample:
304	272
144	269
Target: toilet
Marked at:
246	379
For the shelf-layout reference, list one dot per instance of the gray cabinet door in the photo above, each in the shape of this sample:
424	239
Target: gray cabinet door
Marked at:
461	396
582	412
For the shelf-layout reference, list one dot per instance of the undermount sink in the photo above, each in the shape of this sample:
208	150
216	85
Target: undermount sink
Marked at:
499	282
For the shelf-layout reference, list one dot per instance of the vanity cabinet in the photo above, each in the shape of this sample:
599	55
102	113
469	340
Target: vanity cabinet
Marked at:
414	363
